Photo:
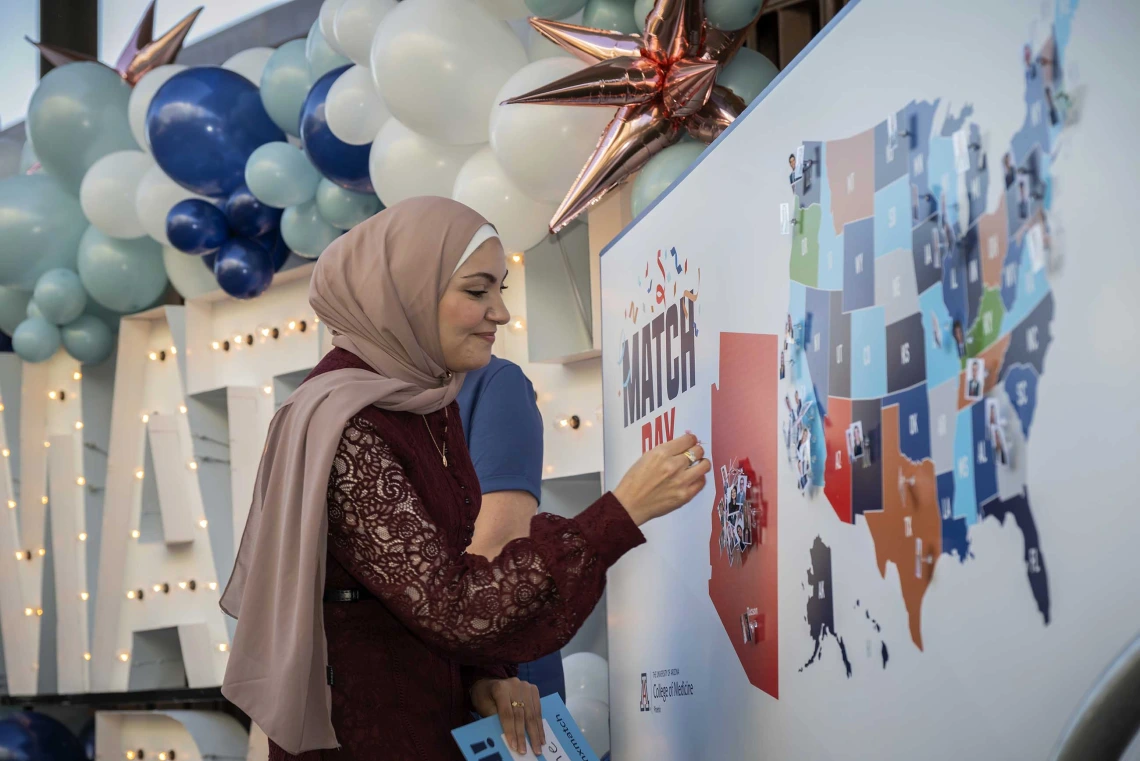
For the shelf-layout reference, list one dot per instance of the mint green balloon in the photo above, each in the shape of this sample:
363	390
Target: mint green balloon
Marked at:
281	175
616	15
124	276
88	339
344	209
40	227
731	15
555	9
59	295
322	58
305	232
641	9
35	340
747	74
78	115
13	308
285	82
33	310
661	171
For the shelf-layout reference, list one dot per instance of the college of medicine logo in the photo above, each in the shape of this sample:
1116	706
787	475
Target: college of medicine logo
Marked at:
644	693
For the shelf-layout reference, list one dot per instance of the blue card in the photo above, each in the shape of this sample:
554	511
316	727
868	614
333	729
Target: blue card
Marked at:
483	740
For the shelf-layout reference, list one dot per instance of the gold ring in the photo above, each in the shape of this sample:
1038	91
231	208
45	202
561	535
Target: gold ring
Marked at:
691	457
518	704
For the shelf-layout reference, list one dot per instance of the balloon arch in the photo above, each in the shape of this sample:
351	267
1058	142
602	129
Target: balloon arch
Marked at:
205	177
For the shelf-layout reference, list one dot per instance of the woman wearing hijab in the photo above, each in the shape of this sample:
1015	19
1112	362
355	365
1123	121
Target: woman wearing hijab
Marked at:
364	626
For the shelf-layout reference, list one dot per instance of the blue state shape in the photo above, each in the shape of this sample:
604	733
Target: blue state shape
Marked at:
1010	276
971	257
914	422
830	242
965	496
817	342
868	353
797	308
955	293
1032	289
942	362
1034	558
892	212
891	160
1021	386
919	124
954	123
1034	130
858	264
985	470
977	176
944	177
955	540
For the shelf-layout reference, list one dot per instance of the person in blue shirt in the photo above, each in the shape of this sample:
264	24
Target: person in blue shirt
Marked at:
503	429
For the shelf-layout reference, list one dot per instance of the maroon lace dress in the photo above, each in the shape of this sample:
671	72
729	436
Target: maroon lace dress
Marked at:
432	619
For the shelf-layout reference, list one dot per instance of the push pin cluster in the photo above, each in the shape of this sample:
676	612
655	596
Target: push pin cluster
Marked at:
737	514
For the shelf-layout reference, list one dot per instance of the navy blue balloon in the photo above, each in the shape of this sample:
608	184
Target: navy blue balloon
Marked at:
244	268
87	740
5	343
339	162
210	260
249	217
203	124
30	736
277	248
195	226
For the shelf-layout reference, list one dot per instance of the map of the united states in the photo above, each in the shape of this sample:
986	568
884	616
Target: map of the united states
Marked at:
917	248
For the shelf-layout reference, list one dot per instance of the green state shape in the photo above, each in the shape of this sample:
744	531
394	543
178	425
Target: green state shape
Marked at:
985	330
804	261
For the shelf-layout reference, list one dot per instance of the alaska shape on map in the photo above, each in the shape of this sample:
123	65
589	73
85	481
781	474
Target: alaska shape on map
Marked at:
821	605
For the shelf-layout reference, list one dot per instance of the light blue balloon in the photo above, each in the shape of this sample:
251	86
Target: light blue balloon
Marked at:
641	9
59	295
108	317
125	276
285	82
322	58
731	15
305	232
88	339
344	209
40	227
34	311
747	74
28	157
280	175
13	308
555	9
78	115
616	15
35	340
657	175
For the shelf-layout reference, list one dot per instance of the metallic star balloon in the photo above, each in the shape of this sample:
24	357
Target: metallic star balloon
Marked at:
142	52
663	81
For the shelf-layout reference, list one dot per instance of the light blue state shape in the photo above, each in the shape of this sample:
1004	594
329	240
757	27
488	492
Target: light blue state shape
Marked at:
942	362
1031	290
892	217
797	308
965	500
943	175
818	447
868	353
830	243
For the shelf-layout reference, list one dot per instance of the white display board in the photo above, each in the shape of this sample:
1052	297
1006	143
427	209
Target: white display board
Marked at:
935	586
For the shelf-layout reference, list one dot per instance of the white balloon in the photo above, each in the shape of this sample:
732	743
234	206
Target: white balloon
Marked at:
107	194
542	148
520	220
505	10
438	65
354	110
355	26
156	194
187	273
593	718
249	63
404	164
587	676
327	19
141	97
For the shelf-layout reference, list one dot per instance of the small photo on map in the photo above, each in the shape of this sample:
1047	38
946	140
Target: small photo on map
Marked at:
724	475
993	415
855	448
975	379
1035	239
960	339
936	330
1001	447
789	335
782	366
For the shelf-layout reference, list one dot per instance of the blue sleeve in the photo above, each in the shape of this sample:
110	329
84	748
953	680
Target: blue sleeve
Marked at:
505	438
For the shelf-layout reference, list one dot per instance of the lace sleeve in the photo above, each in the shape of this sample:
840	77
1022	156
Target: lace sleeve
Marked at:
525	603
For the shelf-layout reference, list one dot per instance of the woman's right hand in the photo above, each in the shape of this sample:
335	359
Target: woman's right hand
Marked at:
663	479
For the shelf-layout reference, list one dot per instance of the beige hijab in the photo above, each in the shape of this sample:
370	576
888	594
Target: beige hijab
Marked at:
378	289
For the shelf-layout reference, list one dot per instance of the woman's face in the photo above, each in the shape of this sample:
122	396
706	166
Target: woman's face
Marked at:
472	308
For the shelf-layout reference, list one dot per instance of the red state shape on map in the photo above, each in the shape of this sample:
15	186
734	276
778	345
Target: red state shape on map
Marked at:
745	430
851	177
908	530
837	472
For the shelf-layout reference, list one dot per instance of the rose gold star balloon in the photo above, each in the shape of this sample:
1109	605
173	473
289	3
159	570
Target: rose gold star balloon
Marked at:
664	82
142	52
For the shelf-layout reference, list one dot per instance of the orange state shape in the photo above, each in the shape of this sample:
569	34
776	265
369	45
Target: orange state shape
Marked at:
851	177
745	423
993	357
913	545
993	240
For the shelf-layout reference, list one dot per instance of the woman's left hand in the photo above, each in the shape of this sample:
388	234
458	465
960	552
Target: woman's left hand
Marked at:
517	704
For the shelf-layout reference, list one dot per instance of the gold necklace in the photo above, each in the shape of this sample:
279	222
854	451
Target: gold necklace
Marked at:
441	452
